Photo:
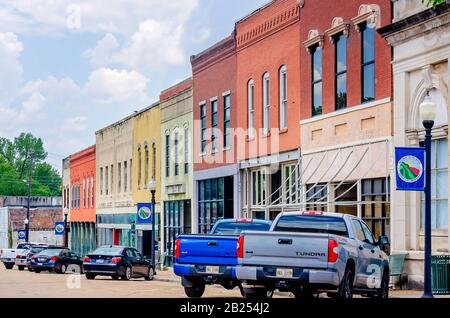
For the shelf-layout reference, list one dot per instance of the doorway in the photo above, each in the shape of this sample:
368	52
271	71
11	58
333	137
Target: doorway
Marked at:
147	243
116	236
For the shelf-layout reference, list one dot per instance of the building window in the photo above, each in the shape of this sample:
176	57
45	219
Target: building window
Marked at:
317	196
226	121
203	127
376	208
258	187
101	181
119	177
112	178
176	170
106	180
439	185
84	192
316	56
368	63
177	220
283	97
215	199
154	161
125	177
167	156
214	125
266	103
131	174
251	107
139	167
92	192
147	158
340	65
186	150
290	179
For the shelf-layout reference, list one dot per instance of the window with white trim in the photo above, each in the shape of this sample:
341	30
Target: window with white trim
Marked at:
266	103
283	97
251	107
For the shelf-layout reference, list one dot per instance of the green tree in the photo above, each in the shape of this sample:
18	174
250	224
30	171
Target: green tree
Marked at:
46	176
433	3
27	146
10	184
7	150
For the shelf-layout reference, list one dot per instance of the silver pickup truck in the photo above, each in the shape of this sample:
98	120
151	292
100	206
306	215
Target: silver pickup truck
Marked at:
310	252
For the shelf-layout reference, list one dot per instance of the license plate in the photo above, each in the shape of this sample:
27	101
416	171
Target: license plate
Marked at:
213	269
285	272
39	264
99	261
41	260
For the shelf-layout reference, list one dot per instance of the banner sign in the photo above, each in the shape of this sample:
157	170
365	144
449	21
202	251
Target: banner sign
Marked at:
21	234
144	213
410	167
59	228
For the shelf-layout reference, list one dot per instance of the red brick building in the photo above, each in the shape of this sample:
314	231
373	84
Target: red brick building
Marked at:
82	215
215	113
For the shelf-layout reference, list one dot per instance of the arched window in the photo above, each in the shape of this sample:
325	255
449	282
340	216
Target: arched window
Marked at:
147	158
266	103
251	107
154	161
283	97
139	166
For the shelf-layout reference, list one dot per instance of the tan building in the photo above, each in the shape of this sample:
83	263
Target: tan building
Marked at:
420	38
176	164
115	207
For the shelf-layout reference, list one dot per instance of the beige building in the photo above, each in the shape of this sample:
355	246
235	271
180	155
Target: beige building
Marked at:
176	164
116	210
420	37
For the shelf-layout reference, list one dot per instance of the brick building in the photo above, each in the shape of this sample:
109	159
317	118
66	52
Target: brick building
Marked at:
82	215
216	177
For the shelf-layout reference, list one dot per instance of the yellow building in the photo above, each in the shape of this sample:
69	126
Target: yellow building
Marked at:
146	154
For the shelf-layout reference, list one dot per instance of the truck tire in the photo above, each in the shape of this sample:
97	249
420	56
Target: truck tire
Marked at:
8	265
30	269
90	276
21	268
196	291
258	293
383	292
345	290
37	271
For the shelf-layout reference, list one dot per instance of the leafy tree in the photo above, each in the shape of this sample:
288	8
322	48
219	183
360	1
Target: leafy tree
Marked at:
45	174
10	184
7	150
433	3
27	146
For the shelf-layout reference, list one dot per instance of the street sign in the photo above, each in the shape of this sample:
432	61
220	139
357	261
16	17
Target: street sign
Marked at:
21	234
144	213
59	228
409	163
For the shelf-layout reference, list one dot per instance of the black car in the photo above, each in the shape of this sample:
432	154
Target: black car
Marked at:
57	259
117	262
35	249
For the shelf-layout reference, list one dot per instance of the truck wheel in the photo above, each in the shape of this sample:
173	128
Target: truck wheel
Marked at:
21	268
37	271
345	290
258	293
30	269
8	266
383	292
196	291
90	276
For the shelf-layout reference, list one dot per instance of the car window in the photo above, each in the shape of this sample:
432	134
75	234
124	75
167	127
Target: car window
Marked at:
23	246
239	227
368	234
131	253
312	224
138	254
359	232
51	252
108	251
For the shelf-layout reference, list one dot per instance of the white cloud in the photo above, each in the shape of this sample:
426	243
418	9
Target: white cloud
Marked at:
102	53
10	67
77	123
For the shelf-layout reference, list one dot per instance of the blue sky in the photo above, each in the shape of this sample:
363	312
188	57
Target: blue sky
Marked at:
71	67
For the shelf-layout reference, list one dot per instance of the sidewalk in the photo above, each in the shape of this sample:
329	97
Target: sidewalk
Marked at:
170	277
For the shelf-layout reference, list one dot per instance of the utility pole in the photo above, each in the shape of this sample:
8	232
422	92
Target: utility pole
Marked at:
27	220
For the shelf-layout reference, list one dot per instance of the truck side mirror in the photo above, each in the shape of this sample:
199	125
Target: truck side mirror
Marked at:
383	240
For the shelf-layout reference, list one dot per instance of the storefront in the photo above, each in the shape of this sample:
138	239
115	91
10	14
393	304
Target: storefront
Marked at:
177	220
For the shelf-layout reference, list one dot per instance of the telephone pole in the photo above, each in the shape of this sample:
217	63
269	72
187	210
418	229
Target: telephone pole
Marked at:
27	220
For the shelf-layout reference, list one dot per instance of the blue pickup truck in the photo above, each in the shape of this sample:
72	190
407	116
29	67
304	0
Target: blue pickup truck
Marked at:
211	258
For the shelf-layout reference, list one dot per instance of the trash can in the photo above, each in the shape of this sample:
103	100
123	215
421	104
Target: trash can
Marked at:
441	274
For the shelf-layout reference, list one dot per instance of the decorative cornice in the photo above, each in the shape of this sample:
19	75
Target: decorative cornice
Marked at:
338	26
367	13
314	38
269	26
213	54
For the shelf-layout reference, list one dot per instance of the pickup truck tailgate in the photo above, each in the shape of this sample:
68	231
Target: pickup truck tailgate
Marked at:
307	250
208	249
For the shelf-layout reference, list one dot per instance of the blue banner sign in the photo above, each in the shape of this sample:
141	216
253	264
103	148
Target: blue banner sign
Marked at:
59	228
144	213
21	234
410	168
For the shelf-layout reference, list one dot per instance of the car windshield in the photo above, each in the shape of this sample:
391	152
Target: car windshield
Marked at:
108	251
51	251
312	224
37	249
23	246
238	227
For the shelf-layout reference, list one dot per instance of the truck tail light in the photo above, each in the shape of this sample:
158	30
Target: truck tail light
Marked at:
177	249
116	259
86	259
332	251
240	247
54	258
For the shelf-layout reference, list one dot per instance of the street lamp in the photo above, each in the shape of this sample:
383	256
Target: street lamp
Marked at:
152	188
427	111
66	234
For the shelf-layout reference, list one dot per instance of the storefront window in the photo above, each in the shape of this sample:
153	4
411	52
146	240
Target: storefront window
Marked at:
316	196
439	185
177	220
376	208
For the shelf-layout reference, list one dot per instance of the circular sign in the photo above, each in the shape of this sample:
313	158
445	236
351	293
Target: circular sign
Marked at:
21	235
59	228
409	169
145	213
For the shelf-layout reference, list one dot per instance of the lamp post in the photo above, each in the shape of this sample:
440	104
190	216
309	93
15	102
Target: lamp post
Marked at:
152	188
27	227
427	113
66	233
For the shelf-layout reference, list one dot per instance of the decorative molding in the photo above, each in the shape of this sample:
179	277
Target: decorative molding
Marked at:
338	26
301	3
314	38
367	13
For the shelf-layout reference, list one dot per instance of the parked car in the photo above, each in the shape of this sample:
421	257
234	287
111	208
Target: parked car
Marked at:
117	262
8	256
57	259
311	252
202	259
35	249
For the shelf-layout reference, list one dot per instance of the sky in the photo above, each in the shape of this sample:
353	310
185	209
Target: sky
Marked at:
69	68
